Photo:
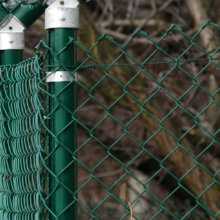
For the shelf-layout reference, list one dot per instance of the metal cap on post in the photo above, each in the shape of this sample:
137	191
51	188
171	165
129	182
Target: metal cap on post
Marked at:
12	30
11	41
12	34
62	14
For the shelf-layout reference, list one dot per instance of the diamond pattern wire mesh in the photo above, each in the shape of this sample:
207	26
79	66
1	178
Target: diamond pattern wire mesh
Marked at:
20	145
146	139
147	130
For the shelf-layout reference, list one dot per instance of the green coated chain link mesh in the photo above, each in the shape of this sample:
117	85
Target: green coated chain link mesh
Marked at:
147	131
20	145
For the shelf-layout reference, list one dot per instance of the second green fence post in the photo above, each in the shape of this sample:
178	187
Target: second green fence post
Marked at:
62	21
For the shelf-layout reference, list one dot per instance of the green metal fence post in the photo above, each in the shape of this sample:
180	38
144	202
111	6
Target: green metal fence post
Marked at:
62	21
11	47
11	52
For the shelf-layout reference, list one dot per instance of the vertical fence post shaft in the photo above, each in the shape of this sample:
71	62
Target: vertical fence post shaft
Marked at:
11	52
62	23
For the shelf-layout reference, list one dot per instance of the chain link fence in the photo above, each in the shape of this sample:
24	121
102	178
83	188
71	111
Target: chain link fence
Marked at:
148	128
20	145
145	131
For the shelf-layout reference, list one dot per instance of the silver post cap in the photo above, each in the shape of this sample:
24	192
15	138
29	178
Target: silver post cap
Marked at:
11	34
62	14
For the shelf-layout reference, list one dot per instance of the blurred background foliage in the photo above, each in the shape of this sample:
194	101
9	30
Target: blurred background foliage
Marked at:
124	20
